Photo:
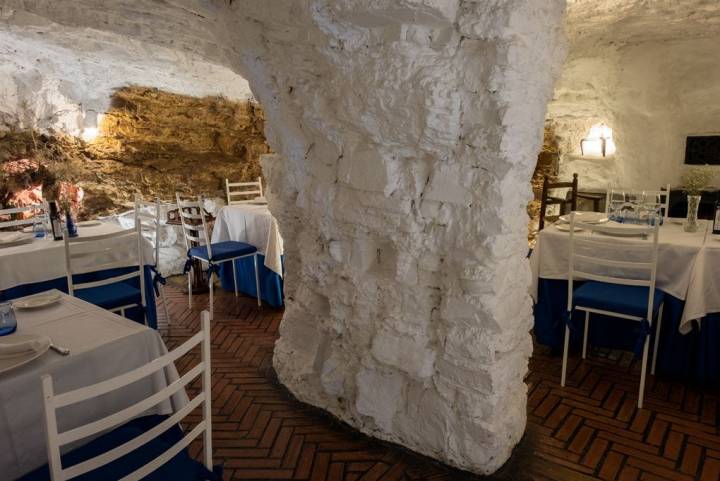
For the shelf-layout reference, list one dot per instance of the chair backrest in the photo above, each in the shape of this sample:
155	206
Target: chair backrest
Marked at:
663	194
116	250
602	258
37	209
147	216
194	224
53	402
546	199
243	192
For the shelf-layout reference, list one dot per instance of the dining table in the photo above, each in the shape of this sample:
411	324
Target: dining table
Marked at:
687	273
101	345
39	265
254	224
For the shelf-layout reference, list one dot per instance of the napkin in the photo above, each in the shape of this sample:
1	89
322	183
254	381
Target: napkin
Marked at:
19	345
11	236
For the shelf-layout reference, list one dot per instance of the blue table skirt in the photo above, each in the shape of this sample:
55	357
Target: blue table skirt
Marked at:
61	285
271	284
693	358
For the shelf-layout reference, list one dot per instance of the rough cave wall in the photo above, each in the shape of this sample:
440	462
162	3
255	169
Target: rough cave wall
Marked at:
548	163
406	133
157	143
646	69
153	143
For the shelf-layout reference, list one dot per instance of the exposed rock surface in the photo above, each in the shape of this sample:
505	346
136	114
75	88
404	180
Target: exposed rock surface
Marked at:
647	70
153	143
406	133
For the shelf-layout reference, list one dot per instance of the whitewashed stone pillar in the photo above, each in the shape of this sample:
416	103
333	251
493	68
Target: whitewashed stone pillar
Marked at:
407	132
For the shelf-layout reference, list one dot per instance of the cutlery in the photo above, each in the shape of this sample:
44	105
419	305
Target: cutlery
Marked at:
63	351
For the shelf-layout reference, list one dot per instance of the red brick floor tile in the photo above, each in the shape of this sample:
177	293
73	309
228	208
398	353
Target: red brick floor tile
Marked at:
591	430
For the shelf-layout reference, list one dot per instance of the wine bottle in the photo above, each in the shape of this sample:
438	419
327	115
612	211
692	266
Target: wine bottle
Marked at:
55	222
716	219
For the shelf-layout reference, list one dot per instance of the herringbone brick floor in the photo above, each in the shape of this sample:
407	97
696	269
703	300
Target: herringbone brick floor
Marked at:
590	430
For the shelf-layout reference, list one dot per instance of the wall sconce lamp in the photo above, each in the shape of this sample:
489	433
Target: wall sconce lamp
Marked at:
598	143
91	123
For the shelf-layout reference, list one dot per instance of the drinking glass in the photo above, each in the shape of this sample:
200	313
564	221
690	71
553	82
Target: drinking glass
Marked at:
8	323
617	200
39	227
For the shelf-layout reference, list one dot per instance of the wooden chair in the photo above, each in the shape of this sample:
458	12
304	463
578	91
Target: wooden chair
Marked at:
41	210
249	190
619	282
547	200
147	217
122	453
107	251
199	247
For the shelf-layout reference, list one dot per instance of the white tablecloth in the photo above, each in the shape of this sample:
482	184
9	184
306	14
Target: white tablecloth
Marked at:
103	345
684	269
255	225
44	259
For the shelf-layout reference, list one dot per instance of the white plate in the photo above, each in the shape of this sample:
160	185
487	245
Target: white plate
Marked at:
89	223
14	362
38	300
587	217
565	227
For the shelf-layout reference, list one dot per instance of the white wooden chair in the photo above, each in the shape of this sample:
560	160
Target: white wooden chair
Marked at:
54	402
246	191
148	217
662	194
195	230
620	282
112	293
39	209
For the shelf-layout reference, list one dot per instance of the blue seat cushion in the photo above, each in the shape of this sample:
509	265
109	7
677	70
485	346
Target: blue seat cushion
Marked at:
223	251
180	468
110	296
630	300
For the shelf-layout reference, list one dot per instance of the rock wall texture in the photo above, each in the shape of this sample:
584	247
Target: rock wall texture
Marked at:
52	76
406	132
645	69
150	142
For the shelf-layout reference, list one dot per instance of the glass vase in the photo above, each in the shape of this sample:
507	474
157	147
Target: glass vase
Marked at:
691	222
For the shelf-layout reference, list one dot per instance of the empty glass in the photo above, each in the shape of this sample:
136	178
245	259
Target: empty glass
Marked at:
8	323
617	201
39	227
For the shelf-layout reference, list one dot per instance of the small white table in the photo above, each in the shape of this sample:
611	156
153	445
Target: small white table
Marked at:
252	224
44	259
103	345
683	270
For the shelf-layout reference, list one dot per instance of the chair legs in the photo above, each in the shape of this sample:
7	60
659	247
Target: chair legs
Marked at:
257	280
210	287
643	372
566	345
234	276
657	339
190	276
164	302
585	334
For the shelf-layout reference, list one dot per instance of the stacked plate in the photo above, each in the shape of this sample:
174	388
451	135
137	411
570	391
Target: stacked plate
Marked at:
259	200
563	223
18	349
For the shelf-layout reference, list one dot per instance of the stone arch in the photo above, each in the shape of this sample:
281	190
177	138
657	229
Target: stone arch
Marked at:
406	132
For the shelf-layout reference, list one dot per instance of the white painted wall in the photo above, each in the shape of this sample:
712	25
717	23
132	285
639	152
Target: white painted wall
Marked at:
653	94
49	76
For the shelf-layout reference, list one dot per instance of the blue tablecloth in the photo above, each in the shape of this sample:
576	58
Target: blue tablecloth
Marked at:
693	358
61	285
271	284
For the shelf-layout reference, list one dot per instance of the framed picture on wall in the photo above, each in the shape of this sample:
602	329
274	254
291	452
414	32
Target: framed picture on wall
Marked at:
702	150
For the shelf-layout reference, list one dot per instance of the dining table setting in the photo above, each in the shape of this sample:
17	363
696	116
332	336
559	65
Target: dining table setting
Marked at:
253	223
32	261
687	274
78	343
